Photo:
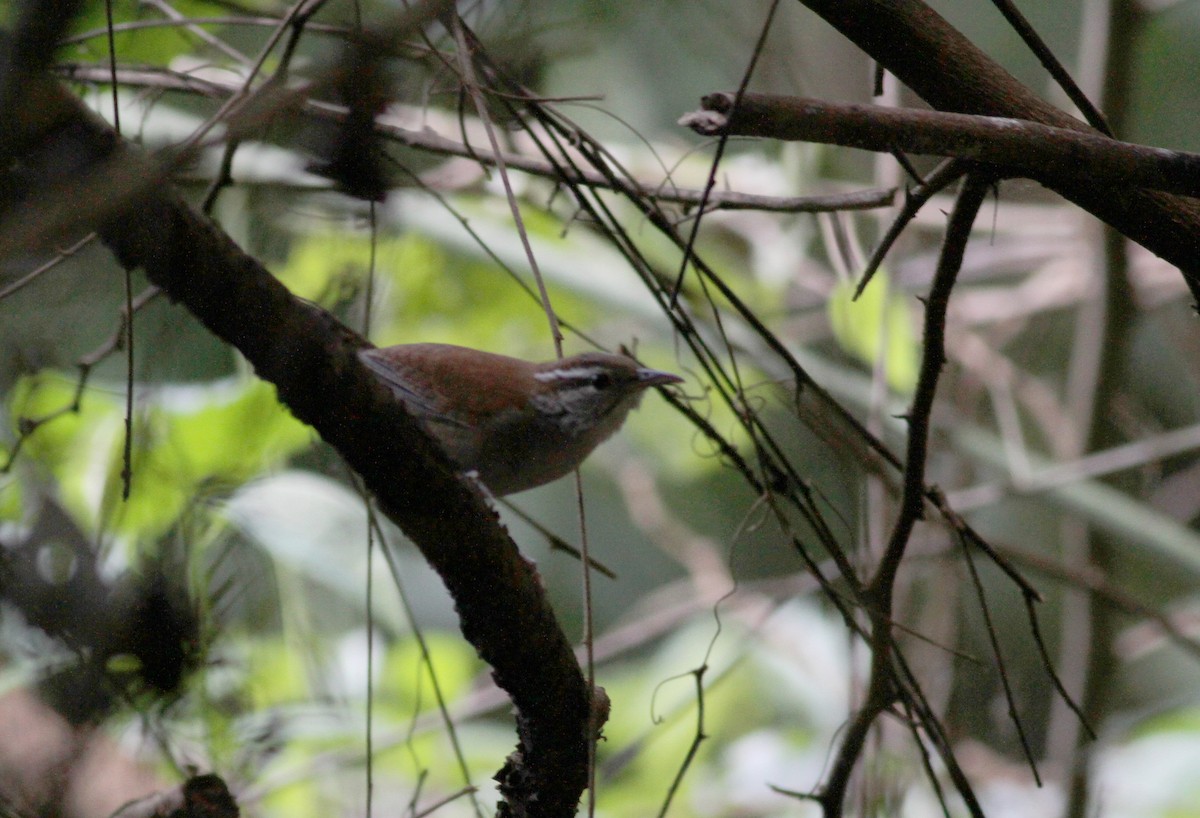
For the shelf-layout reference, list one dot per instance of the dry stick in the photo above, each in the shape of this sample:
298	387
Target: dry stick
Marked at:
391	558
27	426
1047	153
689	247
931	775
27	279
757	433
774	462
805	382
694	747
882	690
1001	667
484	247
127	443
228	22
915	700
1094	582
938	499
471	82
722	141
1061	688
436	144
369	602
441	802
555	542
224	175
783	474
914	199
243	88
1052	64
777	470
913	494
758	114
369	606
199	33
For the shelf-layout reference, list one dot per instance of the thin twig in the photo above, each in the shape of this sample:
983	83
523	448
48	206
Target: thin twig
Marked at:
697	739
390	127
722	141
914	199
1053	65
882	690
1001	666
912	501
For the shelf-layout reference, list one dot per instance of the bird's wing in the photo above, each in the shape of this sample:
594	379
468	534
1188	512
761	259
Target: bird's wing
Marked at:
419	403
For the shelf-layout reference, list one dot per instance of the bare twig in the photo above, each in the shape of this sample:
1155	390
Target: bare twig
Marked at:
391	127
1017	147
883	688
1052	64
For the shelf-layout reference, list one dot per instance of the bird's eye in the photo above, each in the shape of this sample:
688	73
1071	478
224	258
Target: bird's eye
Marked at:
601	380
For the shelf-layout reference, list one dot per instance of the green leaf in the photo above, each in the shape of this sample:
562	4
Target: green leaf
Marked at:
405	678
154	45
11	493
275	674
876	324
232	432
186	440
73	446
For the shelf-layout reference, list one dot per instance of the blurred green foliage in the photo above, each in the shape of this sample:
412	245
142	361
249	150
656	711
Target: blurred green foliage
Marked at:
276	534
877	326
188	441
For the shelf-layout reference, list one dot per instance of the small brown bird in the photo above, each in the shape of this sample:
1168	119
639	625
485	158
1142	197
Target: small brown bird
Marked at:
514	423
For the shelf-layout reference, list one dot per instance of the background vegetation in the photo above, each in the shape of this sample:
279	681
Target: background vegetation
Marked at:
291	661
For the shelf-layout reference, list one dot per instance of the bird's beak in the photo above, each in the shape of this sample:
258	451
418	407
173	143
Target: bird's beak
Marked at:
656	377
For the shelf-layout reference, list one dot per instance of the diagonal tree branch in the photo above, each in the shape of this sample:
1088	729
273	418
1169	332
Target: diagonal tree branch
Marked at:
311	359
1046	153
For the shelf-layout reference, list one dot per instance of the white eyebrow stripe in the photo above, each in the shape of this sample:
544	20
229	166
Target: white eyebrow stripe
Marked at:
574	372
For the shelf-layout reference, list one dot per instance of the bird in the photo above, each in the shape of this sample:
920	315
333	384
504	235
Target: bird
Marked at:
512	423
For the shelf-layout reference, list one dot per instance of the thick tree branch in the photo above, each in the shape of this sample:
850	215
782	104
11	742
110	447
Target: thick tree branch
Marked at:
949	72
311	358
1019	148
